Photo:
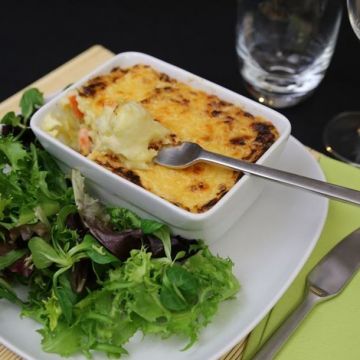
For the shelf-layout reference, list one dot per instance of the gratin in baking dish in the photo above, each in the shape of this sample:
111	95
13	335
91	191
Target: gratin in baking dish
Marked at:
113	189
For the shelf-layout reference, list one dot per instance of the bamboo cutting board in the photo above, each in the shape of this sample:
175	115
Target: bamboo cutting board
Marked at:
56	80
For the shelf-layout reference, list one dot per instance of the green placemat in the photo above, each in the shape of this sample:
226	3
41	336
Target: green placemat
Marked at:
332	329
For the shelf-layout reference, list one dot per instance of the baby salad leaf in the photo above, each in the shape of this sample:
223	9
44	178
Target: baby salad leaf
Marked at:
13	150
81	275
64	340
43	254
163	233
26	232
11	257
52	310
119	244
31	100
90	209
3	204
94	250
7	293
215	270
66	297
150	226
24	183
97	253
120	230
10	119
55	179
179	290
124	219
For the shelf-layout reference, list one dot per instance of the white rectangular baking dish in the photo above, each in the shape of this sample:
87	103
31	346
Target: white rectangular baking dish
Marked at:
114	190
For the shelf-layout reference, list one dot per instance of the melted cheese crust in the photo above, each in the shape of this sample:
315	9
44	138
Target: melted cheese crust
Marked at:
190	115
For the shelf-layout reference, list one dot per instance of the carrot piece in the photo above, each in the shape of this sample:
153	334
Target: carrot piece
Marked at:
75	108
84	141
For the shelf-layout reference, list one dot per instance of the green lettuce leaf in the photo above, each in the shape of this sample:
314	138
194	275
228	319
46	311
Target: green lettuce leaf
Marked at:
66	297
10	119
31	100
11	257
123	219
44	255
7	293
152	296
63	340
13	151
97	253
28	191
179	289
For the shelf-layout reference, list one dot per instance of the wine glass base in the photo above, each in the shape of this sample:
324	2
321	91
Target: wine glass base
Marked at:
342	137
276	100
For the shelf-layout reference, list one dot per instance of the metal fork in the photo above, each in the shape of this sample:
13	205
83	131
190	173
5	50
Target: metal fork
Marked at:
188	153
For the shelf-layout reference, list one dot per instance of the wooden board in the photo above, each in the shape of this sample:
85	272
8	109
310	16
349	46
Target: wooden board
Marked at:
56	80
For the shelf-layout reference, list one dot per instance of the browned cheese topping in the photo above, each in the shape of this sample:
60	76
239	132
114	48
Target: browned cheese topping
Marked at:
190	115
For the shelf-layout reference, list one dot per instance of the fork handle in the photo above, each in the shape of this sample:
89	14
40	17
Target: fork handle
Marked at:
283	177
281	335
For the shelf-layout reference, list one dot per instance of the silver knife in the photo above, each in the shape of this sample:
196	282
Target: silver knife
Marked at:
328	278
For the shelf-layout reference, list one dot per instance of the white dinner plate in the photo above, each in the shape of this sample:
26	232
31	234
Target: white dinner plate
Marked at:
269	245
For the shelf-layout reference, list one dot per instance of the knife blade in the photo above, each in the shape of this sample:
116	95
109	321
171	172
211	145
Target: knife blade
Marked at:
326	280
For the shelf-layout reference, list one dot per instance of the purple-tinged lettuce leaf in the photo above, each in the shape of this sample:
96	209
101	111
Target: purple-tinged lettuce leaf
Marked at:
26	232
22	267
118	243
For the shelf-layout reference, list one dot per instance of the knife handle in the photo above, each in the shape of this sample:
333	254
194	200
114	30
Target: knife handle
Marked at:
279	337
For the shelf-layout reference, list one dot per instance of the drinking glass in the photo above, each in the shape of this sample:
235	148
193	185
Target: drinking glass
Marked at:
285	46
342	134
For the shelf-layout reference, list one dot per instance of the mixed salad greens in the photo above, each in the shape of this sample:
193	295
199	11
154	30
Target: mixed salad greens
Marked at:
95	275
